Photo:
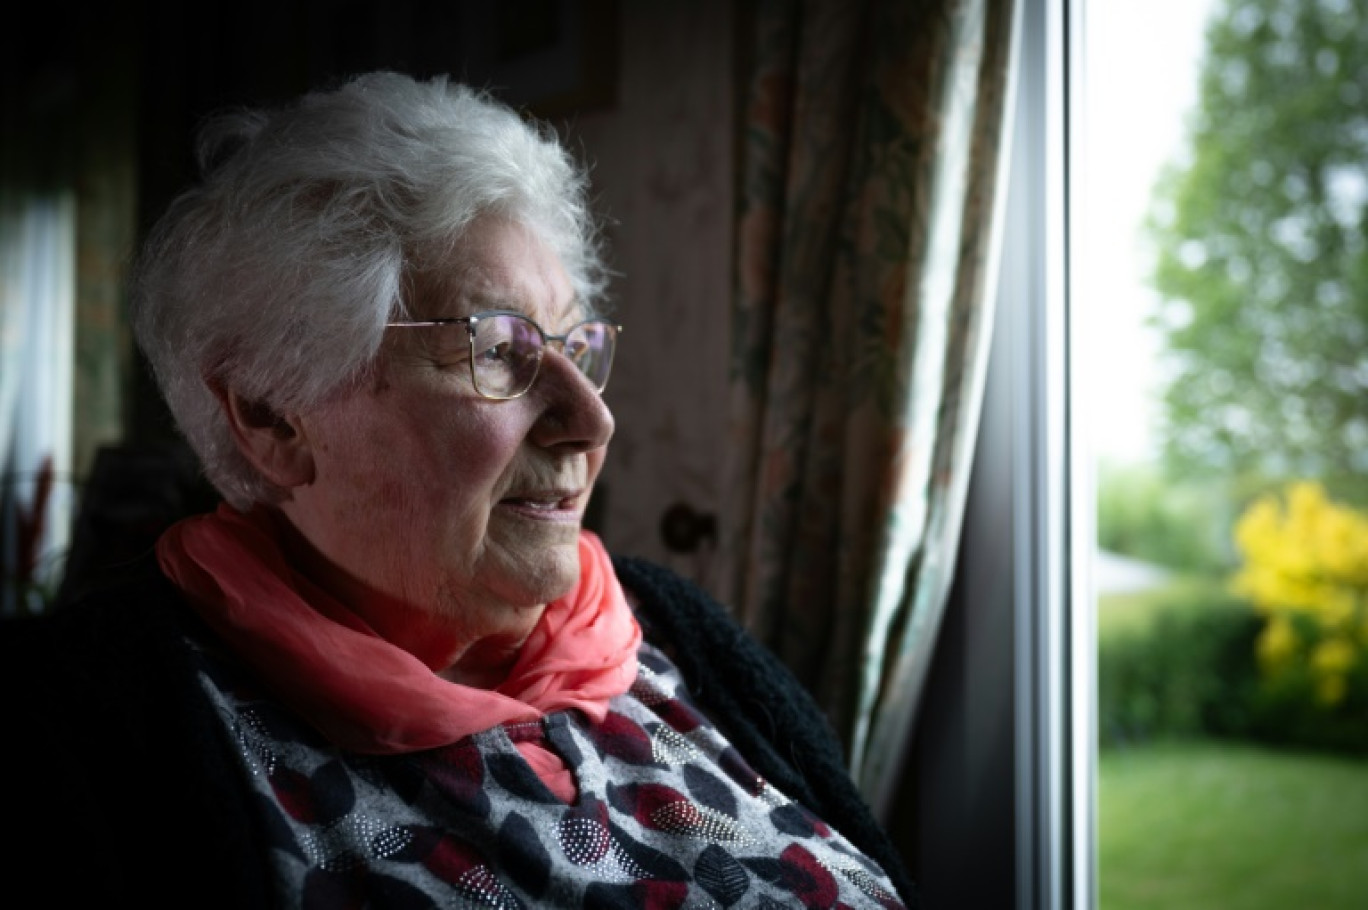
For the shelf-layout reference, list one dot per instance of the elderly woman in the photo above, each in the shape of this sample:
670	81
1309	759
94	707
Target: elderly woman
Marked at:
392	669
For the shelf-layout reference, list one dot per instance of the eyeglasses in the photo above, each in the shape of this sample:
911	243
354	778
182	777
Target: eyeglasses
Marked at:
506	349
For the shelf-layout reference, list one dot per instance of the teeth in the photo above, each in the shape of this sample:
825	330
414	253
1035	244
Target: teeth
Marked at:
546	505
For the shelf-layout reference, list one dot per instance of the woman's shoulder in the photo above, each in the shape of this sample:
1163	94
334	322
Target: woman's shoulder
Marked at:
685	620
115	621
663	599
726	667
693	628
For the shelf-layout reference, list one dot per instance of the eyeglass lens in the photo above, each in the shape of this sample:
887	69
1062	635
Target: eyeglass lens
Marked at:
507	350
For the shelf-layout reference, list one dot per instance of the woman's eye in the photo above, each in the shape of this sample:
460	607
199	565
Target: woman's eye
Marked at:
496	353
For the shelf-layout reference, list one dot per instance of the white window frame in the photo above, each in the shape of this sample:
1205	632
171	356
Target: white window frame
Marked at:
1004	760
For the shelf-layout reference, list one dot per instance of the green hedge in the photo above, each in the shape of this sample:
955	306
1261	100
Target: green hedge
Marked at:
1191	672
1188	672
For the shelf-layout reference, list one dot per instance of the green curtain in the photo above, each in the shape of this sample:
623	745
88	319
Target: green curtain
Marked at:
869	206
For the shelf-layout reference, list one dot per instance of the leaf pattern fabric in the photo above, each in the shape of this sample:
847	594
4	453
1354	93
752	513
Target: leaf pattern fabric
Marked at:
668	814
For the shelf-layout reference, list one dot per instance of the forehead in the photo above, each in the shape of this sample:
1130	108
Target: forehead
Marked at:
496	264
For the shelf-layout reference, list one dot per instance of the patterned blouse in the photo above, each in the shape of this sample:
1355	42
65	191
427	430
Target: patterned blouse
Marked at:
668	814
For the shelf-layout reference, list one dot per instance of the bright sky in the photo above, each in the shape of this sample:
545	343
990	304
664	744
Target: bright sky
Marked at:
1140	70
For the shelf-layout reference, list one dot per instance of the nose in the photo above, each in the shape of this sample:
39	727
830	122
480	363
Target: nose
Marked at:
574	417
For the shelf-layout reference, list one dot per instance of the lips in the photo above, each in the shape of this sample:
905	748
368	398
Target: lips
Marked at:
538	504
544	501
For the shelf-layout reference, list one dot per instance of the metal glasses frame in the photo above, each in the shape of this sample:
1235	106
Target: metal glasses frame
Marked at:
547	340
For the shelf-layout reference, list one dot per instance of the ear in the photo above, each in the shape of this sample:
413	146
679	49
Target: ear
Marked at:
274	443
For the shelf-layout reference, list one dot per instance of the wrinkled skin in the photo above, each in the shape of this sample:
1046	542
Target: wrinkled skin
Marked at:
446	520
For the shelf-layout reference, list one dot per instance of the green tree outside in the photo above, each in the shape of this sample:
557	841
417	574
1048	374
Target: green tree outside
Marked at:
1261	259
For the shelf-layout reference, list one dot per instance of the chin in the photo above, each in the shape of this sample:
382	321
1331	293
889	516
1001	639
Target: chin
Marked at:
556	581
541	578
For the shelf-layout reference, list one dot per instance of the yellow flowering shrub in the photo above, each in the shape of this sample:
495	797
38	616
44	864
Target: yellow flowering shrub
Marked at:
1305	569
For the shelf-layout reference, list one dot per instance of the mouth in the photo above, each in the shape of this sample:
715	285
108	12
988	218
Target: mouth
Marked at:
551	505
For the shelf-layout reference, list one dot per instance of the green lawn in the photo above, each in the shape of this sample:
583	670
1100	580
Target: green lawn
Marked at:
1211	826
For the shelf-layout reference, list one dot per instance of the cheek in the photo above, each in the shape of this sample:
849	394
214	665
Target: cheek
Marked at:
362	470
450	465
414	461
470	450
475	451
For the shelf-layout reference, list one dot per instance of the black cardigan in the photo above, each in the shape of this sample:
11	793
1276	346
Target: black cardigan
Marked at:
121	783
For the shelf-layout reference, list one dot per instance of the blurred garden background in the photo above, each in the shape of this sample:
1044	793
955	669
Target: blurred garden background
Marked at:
1232	491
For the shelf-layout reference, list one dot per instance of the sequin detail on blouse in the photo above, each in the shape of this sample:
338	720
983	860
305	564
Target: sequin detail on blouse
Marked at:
669	814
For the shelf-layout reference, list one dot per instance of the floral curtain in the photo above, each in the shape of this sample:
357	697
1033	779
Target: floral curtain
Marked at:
872	141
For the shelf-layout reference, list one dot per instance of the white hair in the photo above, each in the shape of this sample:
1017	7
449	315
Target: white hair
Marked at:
275	275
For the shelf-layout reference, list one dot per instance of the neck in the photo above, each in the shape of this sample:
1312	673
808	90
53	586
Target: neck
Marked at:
483	666
456	642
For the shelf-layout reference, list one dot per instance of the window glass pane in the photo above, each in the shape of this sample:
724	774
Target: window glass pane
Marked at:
1223	299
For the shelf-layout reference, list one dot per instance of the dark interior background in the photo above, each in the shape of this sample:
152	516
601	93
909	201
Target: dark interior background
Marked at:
643	92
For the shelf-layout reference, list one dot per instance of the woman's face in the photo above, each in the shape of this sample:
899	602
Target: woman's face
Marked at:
431	505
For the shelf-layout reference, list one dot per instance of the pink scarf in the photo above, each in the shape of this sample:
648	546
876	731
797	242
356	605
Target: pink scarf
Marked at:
367	695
